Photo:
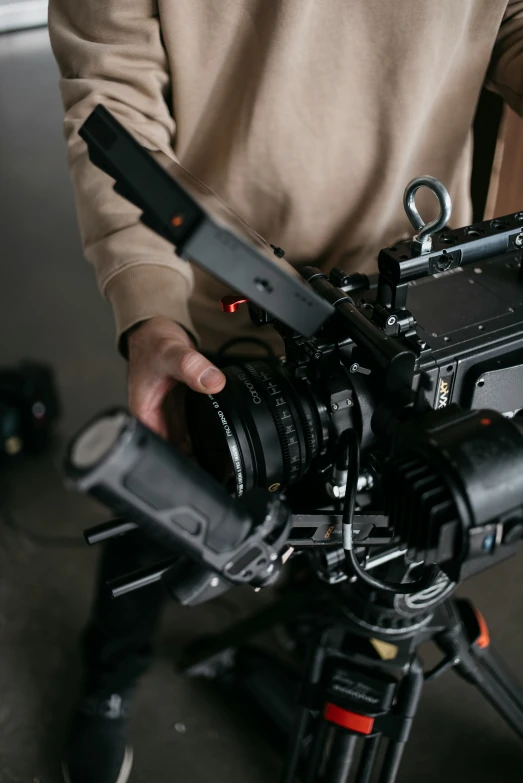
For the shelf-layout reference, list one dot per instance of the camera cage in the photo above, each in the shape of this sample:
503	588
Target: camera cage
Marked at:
314	313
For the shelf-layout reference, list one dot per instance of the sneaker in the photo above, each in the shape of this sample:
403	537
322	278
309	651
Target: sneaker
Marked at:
97	749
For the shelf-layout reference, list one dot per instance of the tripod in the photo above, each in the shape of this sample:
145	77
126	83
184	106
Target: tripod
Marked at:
363	678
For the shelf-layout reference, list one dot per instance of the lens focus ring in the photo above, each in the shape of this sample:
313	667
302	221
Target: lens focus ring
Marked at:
270	384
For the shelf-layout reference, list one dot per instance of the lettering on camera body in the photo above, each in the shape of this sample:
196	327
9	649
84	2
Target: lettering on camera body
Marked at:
444	392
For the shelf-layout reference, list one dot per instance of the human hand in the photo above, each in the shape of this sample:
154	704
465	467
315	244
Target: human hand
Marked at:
162	361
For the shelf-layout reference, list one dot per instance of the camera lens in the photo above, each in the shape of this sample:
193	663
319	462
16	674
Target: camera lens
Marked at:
260	431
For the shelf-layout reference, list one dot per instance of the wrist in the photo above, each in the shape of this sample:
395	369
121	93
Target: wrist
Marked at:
143	291
155	328
126	337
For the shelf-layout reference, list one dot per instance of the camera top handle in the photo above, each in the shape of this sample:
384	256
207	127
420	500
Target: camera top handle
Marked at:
204	230
434	250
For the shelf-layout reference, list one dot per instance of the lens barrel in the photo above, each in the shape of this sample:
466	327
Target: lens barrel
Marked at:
262	430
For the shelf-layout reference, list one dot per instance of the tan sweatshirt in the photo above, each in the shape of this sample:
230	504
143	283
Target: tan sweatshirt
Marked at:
308	116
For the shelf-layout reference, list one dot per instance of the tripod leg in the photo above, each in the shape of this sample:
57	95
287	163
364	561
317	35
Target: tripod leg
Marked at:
467	641
492	661
316	755
292	757
409	694
368	759
479	668
295	745
341	756
392	761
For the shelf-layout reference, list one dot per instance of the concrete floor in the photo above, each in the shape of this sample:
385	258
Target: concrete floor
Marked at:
50	310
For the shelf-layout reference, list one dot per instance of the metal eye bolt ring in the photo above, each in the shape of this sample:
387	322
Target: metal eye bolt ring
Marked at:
425	231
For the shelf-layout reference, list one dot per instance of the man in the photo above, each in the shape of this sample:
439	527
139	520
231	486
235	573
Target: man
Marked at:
308	117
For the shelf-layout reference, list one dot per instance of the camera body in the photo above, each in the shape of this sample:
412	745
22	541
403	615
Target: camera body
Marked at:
461	332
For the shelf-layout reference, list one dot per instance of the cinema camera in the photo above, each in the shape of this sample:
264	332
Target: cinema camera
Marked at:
387	446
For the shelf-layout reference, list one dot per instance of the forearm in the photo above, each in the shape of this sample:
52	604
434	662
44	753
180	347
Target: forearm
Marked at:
110	52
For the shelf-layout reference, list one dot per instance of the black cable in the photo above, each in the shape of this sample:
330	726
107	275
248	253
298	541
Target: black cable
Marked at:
351	444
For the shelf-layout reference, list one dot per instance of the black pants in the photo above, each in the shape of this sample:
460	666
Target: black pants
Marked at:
118	641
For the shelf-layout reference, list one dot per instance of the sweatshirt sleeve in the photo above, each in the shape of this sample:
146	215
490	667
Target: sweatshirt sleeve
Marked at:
111	52
505	75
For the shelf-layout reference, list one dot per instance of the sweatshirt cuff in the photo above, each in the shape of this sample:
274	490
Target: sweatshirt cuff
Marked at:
146	291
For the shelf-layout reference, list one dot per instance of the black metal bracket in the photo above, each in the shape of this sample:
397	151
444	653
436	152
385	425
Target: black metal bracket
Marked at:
400	264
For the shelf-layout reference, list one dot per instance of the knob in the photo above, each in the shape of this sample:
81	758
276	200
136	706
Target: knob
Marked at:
231	303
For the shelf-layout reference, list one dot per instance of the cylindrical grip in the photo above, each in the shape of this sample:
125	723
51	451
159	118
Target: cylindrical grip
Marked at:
141	477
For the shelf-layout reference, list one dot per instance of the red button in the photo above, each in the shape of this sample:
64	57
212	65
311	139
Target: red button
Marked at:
348	720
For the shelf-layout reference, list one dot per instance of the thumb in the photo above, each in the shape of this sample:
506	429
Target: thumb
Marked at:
186	365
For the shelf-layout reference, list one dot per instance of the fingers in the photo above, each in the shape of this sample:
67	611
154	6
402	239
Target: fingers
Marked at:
162	355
